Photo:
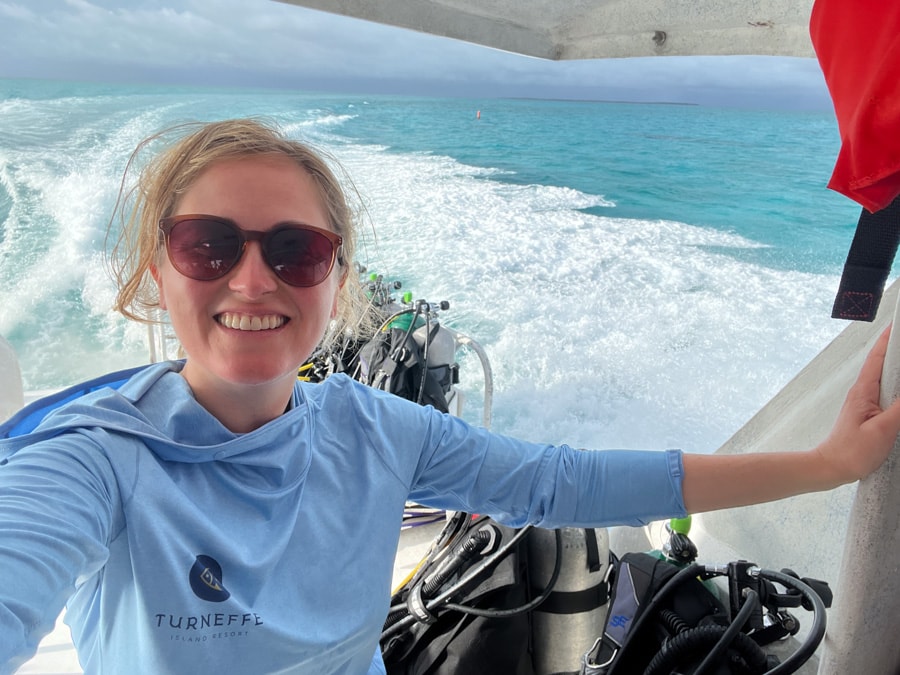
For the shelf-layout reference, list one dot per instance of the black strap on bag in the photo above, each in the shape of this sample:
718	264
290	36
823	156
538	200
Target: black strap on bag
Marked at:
868	264
457	643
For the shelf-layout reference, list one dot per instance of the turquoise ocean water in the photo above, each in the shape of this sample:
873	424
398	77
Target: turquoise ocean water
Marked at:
640	275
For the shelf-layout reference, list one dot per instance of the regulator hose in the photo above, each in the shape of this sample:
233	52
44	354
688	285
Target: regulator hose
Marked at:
673	622
652	608
751	603
816	632
700	640
462	554
471	576
528	606
718	637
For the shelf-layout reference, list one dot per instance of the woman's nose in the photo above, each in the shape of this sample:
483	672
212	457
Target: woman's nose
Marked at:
252	276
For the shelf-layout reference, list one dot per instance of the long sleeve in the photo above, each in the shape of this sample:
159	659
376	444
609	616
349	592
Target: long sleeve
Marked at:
443	461
557	486
57	505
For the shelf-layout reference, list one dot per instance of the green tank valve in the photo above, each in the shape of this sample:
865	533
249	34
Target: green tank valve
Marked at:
680	525
407	297
373	276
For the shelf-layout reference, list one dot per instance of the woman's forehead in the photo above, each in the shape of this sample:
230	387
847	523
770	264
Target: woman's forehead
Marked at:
255	191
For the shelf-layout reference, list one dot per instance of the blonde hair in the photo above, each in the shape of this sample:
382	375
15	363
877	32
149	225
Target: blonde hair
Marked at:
171	172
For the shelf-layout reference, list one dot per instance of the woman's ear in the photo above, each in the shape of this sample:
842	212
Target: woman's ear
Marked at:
157	277
337	293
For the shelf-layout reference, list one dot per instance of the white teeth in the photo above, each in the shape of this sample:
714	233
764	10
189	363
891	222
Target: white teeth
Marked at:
244	322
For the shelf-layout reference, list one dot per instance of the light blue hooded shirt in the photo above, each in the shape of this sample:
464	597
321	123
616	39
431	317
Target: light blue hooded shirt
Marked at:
182	547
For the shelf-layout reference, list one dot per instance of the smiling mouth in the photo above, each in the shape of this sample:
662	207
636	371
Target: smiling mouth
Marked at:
251	323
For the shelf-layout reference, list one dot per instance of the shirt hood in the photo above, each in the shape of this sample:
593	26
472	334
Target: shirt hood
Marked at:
155	405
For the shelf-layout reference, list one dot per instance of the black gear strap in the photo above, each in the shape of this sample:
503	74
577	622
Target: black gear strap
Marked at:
868	264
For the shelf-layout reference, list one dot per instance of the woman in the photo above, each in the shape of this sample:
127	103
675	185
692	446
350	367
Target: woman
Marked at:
215	515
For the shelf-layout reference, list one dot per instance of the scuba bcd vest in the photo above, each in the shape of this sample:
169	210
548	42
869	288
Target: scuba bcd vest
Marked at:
664	619
398	361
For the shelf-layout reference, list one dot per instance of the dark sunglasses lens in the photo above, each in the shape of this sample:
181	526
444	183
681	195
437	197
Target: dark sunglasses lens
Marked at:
300	257
204	249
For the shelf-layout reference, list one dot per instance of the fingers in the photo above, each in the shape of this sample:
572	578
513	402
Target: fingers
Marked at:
862	425
865	394
883	422
874	363
889	419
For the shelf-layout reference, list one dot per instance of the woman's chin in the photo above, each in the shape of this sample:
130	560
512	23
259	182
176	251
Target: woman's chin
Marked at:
240	374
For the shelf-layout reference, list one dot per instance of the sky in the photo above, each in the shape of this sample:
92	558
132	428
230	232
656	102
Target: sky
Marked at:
268	44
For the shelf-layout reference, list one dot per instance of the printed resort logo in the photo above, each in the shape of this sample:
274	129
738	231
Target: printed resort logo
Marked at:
206	583
206	580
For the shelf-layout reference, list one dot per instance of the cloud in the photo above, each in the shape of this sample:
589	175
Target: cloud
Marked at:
199	33
272	44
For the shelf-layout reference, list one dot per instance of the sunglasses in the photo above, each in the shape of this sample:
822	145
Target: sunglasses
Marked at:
205	247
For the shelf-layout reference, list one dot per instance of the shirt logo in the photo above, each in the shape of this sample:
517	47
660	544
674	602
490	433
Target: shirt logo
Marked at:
206	580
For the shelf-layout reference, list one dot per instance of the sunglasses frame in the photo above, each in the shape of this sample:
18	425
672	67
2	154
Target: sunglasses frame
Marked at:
166	225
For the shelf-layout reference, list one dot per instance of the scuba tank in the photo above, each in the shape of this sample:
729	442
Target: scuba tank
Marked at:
566	624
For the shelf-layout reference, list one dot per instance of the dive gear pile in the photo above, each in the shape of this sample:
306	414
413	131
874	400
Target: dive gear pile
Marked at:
410	354
489	599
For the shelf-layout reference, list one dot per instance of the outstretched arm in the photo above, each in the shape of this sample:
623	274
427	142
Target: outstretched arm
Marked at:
859	442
